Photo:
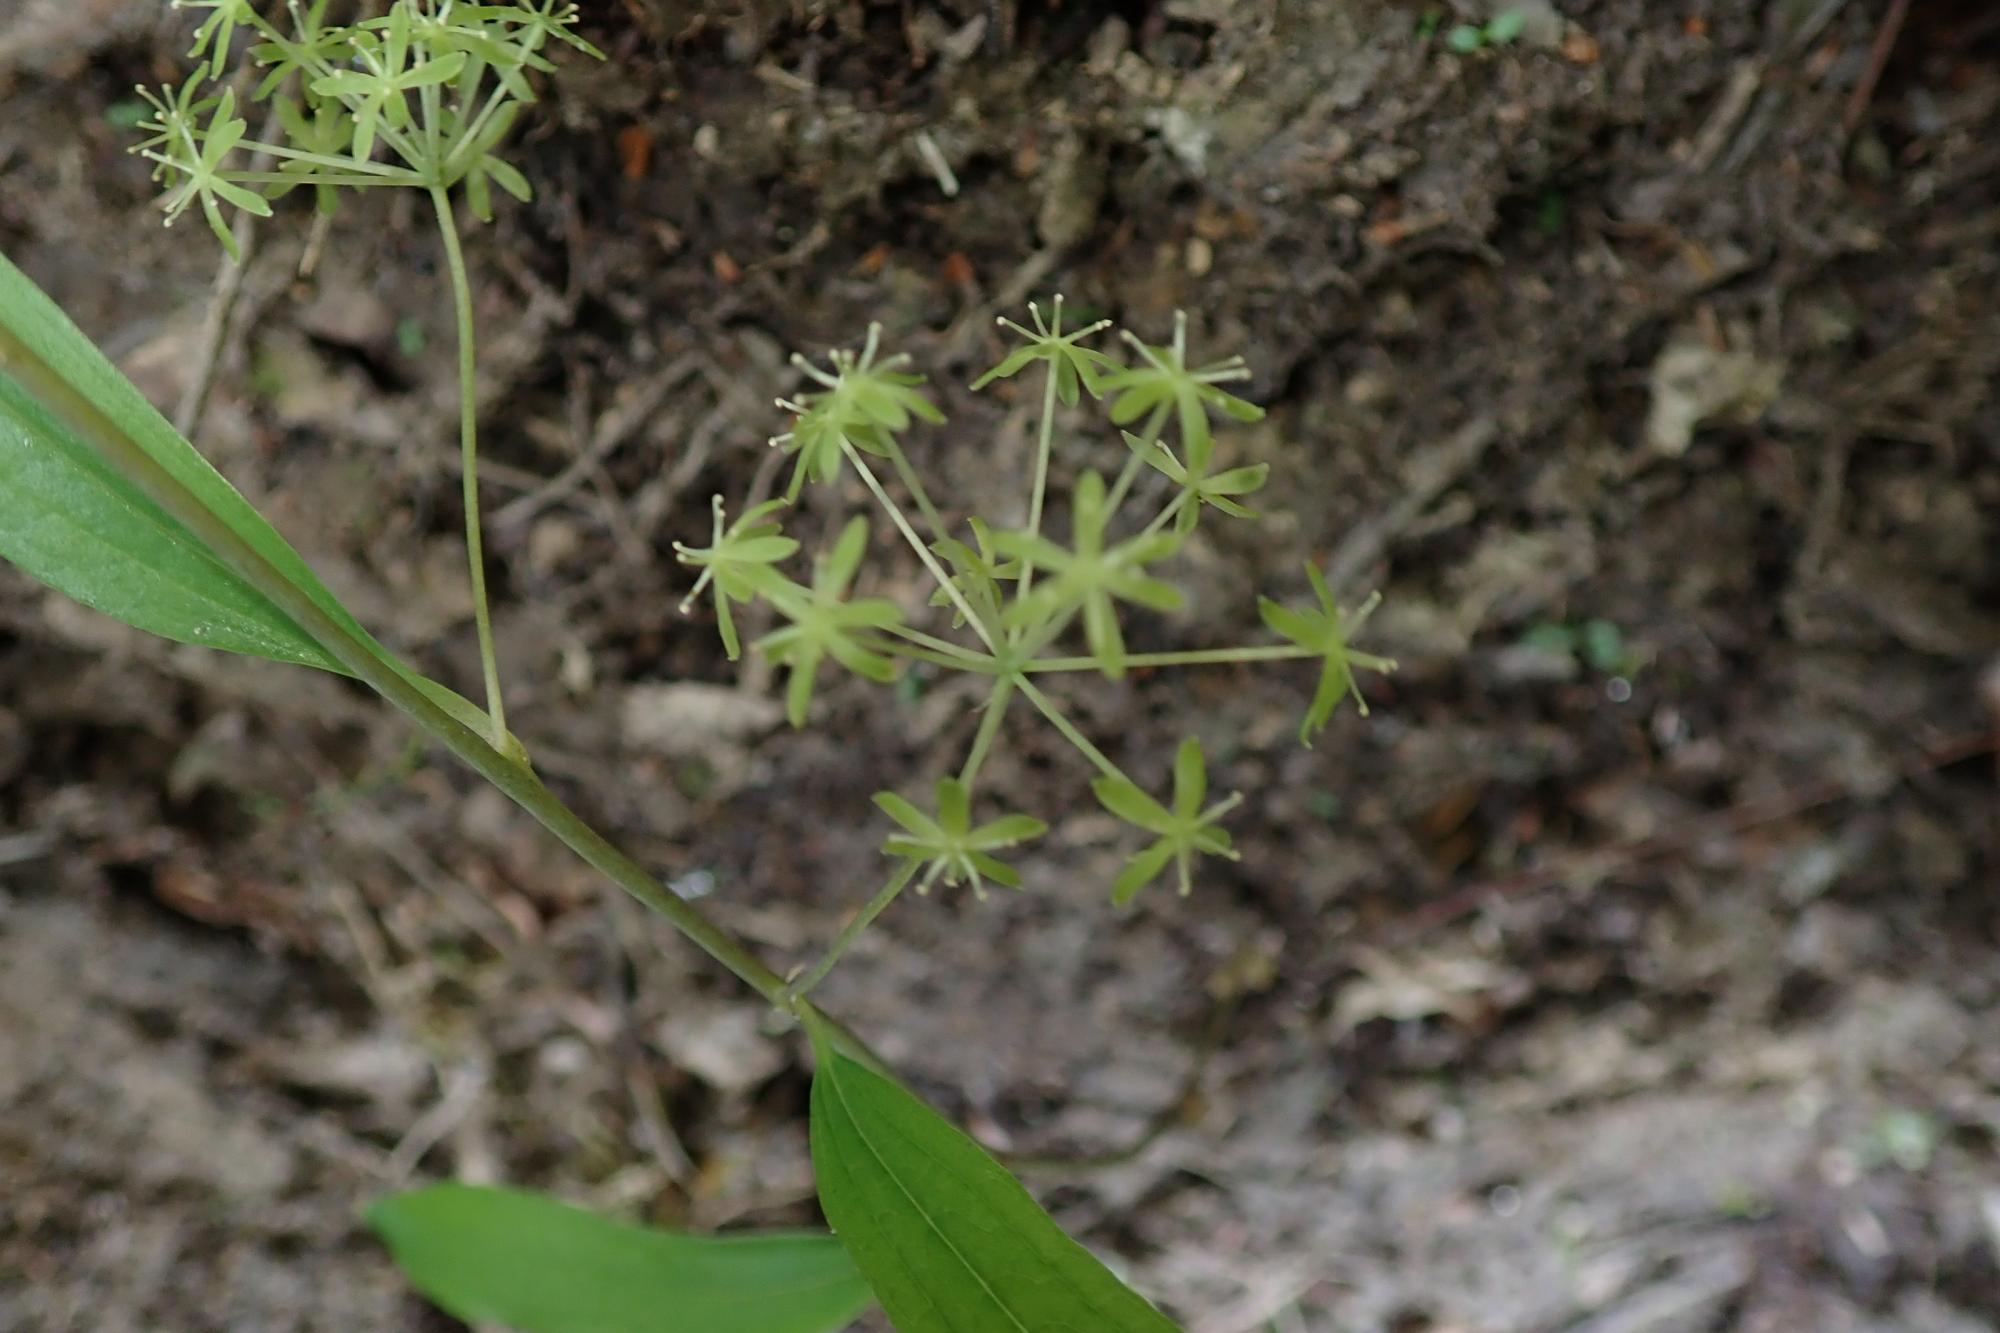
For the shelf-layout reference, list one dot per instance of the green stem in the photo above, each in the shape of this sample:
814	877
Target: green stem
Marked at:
957	653
1044	446
989	727
393	175
1136	459
914	484
854	929
302	180
1068	729
1276	652
902	523
1166	515
914	653
368	662
468	448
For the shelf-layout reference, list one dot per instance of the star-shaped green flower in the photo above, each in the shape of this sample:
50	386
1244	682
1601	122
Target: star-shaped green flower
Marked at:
378	93
977	572
823	625
1163	379
1326	632
193	156
1199	487
864	402
1185	831
738	561
1072	364
215	32
949	845
1092	575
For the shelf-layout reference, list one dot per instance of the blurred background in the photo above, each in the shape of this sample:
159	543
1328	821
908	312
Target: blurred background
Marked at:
1629	969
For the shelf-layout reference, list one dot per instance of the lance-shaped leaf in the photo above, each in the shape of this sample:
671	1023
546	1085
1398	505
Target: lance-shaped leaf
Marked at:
541	1266
950	1242
72	431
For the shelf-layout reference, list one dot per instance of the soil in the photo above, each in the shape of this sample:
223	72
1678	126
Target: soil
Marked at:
1630	966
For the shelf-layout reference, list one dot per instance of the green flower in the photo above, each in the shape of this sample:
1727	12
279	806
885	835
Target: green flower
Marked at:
1091	575
215	32
327	130
547	18
738	561
1069	361
1326	632
864	403
193	157
1164	381
823	625
1183	832
977	572
378	93
951	847
476	163
1199	487
313	45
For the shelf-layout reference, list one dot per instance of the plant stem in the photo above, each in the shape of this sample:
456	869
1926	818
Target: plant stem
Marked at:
989	727
468	448
959	655
902	523
1274	652
1136	460
1068	729
914	484
1166	516
853	930
1044	446
367	661
983	666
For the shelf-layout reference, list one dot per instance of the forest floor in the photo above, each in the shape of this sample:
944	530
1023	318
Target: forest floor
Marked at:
1629	968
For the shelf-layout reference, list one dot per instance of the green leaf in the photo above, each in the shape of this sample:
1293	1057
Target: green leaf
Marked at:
950	1242
527	1261
71	519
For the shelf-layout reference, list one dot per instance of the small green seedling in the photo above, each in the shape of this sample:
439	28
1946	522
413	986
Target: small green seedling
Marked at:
1596	643
1503	29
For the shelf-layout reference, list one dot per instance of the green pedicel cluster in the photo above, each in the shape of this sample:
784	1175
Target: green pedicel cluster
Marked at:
1015	594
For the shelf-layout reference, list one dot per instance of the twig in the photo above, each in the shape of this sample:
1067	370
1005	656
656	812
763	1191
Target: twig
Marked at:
1429	475
1878	60
612	429
222	305
20	848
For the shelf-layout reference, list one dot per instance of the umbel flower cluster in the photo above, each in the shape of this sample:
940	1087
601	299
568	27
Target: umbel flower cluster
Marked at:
421	96
1016	597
